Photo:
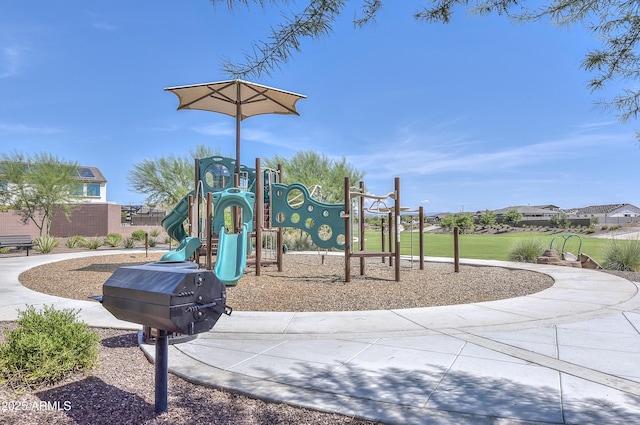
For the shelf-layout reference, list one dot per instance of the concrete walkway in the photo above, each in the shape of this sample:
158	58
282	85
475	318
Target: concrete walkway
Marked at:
565	355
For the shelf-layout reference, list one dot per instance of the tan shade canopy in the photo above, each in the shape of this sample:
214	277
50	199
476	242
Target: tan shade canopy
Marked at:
237	98
225	97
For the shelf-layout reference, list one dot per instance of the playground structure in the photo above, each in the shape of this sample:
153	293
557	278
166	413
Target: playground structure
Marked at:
378	206
240	220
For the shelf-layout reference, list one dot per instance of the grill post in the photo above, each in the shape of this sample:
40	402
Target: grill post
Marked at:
162	371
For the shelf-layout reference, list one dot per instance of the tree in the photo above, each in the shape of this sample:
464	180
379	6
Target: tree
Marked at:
487	219
560	220
512	217
166	180
448	222
616	23
464	221
311	168
36	184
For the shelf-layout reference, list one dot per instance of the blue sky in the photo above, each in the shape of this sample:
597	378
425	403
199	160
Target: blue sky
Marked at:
481	113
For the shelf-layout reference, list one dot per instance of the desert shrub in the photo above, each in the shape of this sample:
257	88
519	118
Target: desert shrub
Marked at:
527	250
138	235
623	256
297	240
75	241
46	244
4	249
560	220
604	227
591	230
152	242
45	347
129	243
113	239
154	233
93	243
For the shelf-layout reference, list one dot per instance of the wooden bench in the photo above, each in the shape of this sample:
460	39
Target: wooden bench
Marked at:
17	241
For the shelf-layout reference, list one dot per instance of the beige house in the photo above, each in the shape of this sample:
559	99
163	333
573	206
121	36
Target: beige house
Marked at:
608	213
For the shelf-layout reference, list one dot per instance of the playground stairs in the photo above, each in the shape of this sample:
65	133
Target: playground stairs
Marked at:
583	261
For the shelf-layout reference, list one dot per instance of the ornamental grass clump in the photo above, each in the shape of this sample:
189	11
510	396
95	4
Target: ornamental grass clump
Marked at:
46	346
76	241
527	250
46	244
93	243
113	240
622	256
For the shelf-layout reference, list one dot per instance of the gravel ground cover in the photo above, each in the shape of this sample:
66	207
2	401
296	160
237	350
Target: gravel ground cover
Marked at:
311	283
121	389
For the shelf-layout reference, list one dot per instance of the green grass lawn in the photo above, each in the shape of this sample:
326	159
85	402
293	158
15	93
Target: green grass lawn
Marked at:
486	247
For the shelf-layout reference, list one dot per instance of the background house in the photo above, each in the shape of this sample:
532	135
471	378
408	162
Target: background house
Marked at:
607	214
92	216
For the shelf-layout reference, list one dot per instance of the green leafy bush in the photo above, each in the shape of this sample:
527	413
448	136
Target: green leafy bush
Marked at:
527	250
4	249
46	244
45	347
623	256
138	235
113	240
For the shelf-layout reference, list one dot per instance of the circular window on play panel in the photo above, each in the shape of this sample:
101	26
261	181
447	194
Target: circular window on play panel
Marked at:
295	198
217	177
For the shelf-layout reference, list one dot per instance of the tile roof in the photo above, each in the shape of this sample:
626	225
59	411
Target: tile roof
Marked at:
599	209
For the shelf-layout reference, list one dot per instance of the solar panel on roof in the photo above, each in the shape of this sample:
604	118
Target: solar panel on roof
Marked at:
86	172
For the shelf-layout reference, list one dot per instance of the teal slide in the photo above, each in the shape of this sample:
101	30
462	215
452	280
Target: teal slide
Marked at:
173	224
232	256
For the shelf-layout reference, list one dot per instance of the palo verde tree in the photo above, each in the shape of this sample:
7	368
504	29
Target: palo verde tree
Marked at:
166	180
311	168
487	219
614	23
35	185
512	217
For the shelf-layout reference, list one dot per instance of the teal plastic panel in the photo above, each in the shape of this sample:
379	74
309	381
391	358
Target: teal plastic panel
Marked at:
322	221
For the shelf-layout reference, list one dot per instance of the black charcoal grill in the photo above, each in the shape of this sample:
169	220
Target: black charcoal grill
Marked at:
174	297
170	297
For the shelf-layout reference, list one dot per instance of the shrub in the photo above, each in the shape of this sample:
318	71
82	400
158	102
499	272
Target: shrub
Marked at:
45	347
4	249
93	243
152	242
527	250
129	243
46	244
591	230
113	240
560	220
138	235
622	256
604	227
298	241
76	241
154	233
